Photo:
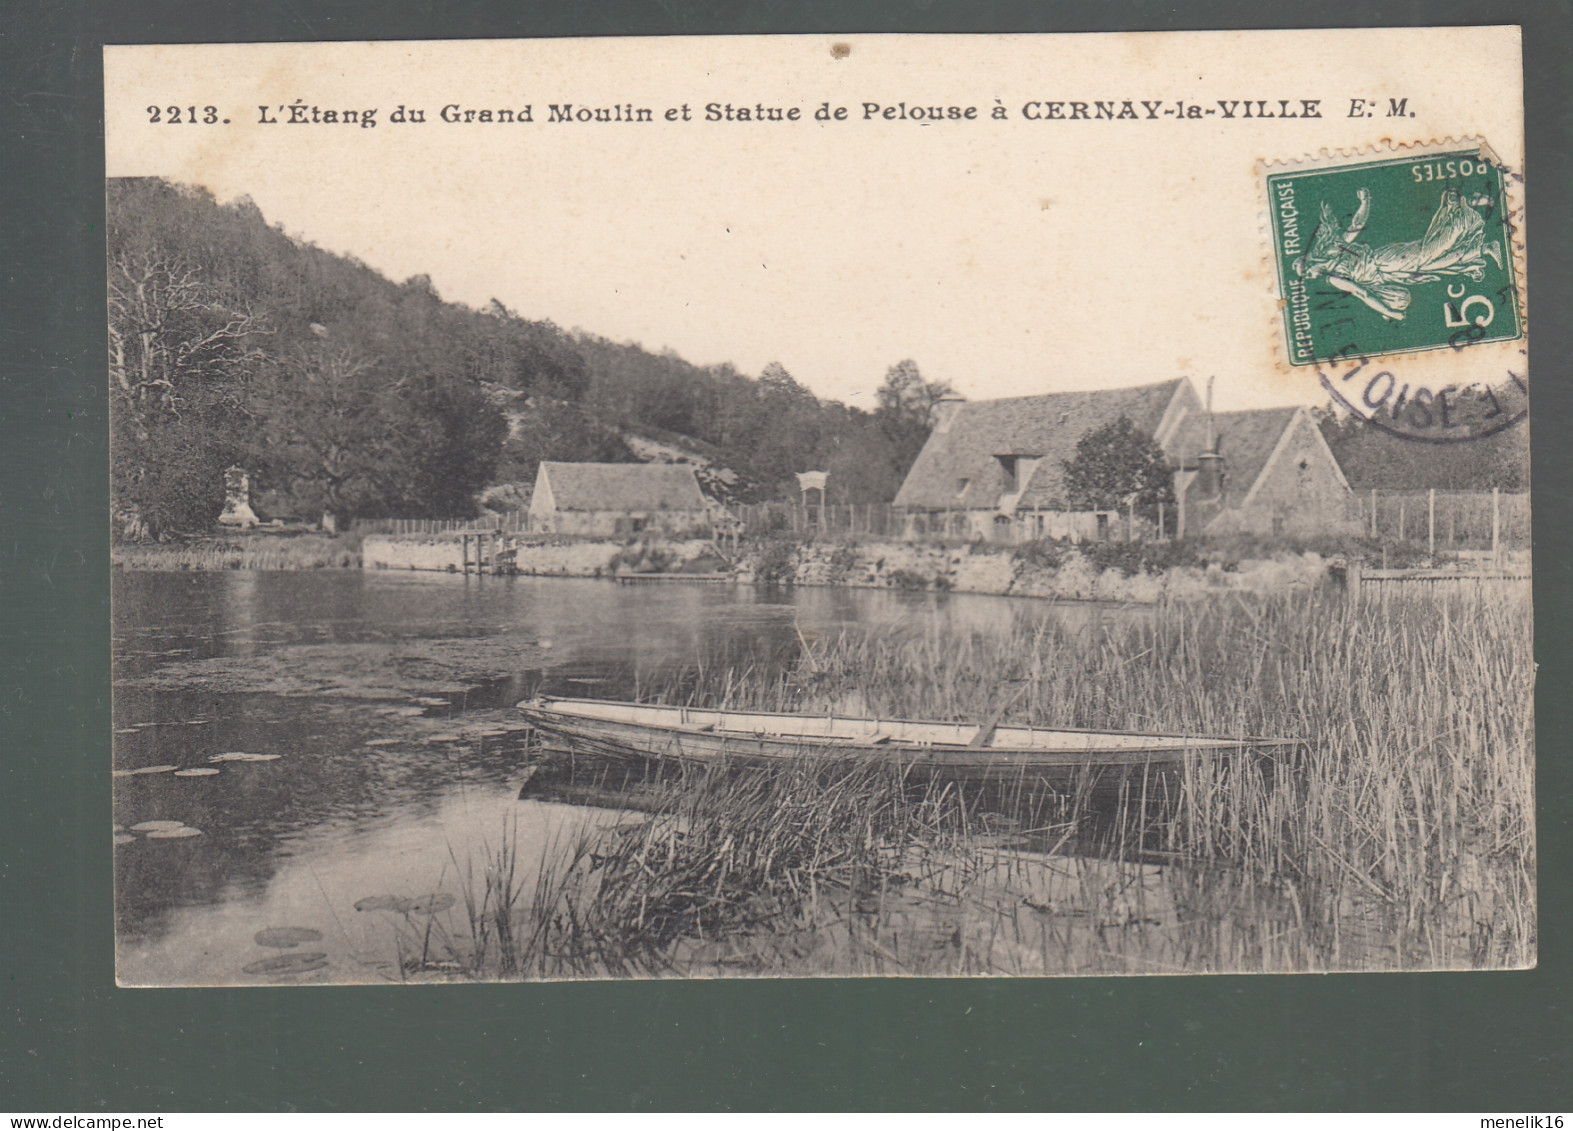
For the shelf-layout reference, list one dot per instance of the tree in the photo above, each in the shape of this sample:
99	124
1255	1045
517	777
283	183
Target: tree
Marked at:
906	410
1118	466
550	429
172	342
180	364
788	426
1374	458
334	434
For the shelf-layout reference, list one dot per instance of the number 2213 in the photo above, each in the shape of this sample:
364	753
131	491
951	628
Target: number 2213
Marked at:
172	115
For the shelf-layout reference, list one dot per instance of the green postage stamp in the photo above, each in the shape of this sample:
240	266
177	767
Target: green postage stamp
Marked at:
1408	251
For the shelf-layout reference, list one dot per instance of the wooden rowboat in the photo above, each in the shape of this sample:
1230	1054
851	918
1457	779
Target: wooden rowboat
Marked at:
985	752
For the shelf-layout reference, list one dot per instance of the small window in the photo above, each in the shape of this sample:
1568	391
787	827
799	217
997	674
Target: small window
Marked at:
961	486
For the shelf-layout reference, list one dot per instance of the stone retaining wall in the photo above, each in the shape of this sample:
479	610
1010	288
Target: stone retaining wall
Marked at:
918	566
875	565
564	558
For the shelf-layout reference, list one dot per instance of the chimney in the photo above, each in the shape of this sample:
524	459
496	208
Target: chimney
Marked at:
946	410
1212	444
1209	476
1209	464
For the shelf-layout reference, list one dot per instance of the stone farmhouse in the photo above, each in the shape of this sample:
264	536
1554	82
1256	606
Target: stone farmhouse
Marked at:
1267	471
617	500
994	470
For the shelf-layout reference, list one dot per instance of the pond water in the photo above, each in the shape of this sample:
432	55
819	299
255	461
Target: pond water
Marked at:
383	755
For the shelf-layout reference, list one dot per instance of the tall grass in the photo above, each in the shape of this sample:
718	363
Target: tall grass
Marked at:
1400	837
261	551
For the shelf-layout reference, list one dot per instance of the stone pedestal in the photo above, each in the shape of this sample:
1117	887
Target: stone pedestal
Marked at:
237	500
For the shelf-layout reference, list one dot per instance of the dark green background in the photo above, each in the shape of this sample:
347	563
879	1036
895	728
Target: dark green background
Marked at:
69	1040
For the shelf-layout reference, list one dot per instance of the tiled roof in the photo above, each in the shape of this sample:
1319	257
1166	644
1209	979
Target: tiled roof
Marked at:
623	486
1244	439
958	467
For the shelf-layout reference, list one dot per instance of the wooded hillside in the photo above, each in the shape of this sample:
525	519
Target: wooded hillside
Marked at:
338	389
1373	458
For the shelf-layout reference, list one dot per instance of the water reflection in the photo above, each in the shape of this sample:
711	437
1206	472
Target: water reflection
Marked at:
388	697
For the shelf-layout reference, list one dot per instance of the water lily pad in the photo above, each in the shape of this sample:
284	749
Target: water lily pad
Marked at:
384	742
427	904
120	773
123	838
301	963
242	756
120	828
286	937
126	730
155	769
157	826
379	903
429	701
407	712
196	772
174	834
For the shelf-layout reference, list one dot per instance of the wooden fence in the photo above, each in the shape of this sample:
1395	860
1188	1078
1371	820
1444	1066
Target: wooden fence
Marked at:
877	520
513	522
1446	520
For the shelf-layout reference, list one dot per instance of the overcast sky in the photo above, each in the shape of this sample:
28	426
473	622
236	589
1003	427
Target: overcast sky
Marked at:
1005	257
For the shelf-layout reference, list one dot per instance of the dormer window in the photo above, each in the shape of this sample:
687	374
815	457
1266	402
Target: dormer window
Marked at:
1016	471
961	486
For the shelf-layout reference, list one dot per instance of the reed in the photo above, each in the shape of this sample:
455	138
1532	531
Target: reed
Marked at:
262	551
1400	838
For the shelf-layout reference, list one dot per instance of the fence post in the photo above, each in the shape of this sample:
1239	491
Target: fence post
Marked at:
1401	522
1496	524
1373	512
1431	522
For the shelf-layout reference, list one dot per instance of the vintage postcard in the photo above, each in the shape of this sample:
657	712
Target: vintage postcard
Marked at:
820	506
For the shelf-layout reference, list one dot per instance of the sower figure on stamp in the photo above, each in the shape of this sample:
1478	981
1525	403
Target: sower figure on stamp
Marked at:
1454	244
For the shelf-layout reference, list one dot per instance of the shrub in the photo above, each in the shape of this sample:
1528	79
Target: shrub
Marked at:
1131	558
777	563
844	558
644	556
907	579
1045	553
